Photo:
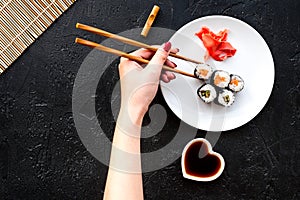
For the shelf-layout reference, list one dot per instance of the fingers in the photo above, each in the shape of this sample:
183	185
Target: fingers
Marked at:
147	54
164	78
126	64
170	64
161	55
142	53
174	50
159	58
167	76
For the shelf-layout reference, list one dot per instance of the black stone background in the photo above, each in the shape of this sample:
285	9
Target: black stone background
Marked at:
42	157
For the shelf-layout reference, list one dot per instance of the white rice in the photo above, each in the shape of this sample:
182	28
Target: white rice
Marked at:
226	94
224	75
200	67
239	87
212	95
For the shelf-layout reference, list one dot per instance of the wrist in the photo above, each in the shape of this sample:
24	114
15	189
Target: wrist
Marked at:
137	113
129	121
132	115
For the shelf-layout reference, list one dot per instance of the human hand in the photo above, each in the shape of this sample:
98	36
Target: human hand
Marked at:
139	83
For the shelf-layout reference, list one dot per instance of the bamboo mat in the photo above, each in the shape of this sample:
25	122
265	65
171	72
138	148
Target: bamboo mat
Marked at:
23	21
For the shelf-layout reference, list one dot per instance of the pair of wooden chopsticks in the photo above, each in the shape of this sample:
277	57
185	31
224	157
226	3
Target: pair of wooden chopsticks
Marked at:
130	42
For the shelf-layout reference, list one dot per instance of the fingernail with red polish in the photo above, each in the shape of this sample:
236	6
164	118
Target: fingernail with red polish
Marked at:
177	49
167	46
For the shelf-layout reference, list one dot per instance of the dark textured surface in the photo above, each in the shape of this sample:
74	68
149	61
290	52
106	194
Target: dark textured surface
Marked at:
41	155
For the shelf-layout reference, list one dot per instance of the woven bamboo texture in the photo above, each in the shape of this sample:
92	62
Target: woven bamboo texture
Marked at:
22	22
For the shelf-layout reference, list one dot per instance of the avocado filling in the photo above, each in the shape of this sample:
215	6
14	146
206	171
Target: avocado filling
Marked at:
205	93
226	99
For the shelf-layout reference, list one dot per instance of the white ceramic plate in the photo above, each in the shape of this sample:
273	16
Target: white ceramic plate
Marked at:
253	62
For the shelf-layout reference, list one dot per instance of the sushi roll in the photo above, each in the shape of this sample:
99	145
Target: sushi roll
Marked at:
225	98
236	83
220	79
203	71
207	93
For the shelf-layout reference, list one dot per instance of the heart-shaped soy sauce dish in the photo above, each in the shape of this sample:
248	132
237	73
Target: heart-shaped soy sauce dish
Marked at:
200	163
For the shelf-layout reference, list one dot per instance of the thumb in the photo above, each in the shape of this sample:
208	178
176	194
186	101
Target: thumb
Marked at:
159	58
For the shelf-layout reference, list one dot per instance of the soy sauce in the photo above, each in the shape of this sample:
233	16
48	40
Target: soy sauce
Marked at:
199	163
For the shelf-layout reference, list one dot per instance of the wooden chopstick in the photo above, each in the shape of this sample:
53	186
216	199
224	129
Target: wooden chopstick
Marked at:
129	41
150	20
126	55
